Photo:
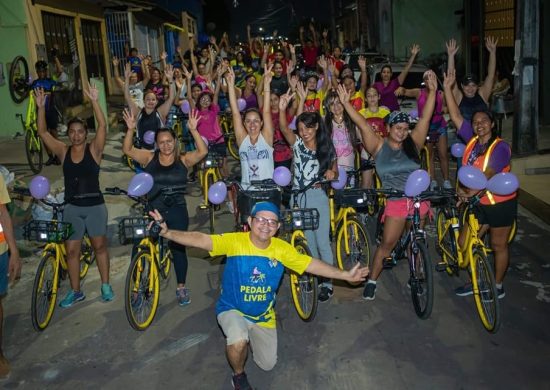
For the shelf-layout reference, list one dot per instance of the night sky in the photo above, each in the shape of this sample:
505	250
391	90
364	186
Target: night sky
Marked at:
283	15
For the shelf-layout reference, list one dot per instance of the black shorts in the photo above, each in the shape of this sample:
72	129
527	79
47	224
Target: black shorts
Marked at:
52	118
220	149
498	215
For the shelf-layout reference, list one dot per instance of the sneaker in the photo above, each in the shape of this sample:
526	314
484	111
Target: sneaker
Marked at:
192	179
500	292
369	293
71	298
107	292
465	290
5	368
182	296
325	293
230	207
447	185
433	185
240	382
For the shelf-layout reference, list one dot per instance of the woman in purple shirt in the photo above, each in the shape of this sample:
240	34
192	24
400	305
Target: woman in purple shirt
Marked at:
388	86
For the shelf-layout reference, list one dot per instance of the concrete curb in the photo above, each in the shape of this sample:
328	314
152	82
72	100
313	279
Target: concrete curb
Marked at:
535	205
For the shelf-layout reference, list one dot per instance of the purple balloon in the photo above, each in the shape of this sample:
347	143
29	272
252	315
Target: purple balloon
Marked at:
185	107
241	103
457	150
217	192
282	176
39	187
503	183
414	113
140	184
472	177
149	137
417	182
342	179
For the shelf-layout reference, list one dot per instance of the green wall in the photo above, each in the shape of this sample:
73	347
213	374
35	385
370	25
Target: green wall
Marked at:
428	22
13	42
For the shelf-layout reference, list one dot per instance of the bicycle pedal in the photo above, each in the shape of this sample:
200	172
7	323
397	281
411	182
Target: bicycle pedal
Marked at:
388	263
203	207
441	266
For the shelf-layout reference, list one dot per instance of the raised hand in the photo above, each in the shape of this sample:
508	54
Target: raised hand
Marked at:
432	81
362	62
212	39
290	66
194	118
301	91
285	99
291	48
268	76
169	72
129	119
188	74
230	77
293	82
415	49
322	61
39	97
115	61
491	43
449	78
127	72
452	47
163	56
343	94
92	92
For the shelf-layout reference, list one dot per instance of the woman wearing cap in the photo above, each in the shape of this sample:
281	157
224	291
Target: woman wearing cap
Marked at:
169	169
485	150
396	157
314	98
438	129
388	86
473	97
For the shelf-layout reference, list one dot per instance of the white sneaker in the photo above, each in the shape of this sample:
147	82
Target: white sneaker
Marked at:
230	207
433	185
447	185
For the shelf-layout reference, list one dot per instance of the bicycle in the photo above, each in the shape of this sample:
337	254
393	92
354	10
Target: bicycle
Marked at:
151	258
53	264
229	135
303	288
472	255
209	174
33	143
412	246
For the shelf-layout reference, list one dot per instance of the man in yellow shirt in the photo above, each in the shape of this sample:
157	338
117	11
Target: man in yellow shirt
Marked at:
10	265
253	271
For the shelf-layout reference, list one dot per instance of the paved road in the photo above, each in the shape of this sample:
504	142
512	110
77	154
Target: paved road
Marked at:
351	344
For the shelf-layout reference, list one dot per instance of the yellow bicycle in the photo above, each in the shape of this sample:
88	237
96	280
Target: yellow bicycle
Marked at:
472	255
53	264
33	143
229	135
209	174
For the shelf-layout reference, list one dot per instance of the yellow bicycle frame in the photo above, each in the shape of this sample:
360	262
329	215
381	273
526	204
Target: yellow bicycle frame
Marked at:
339	219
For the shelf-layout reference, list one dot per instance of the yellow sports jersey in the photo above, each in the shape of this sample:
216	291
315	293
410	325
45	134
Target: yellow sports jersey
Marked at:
252	275
314	102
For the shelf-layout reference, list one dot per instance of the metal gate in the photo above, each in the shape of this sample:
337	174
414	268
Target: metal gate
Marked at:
93	48
119	35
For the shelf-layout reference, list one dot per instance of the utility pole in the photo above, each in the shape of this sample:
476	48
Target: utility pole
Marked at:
526	80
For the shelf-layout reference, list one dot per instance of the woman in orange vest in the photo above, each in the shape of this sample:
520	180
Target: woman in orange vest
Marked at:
486	151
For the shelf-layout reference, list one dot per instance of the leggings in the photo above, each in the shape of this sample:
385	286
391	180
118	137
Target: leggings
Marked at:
318	240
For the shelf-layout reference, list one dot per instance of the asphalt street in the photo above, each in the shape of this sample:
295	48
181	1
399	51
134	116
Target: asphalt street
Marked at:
351	344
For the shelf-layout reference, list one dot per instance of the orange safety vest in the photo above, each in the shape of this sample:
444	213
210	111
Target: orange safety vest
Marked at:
482	162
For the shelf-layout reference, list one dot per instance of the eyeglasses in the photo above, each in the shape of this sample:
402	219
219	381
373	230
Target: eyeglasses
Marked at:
270	222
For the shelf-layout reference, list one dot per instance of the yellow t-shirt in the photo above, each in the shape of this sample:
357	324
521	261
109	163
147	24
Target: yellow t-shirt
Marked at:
4	199
252	275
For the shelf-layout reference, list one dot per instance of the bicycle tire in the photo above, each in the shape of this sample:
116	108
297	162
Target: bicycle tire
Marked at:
232	147
141	291
446	243
359	245
33	150
422	285
209	182
87	256
483	279
303	288
44	291
165	264
18	86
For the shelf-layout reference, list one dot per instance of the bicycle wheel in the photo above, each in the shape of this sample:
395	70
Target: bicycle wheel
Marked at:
358	244
446	243
304	288
209	182
232	146
44	291
422	286
87	256
165	264
142	291
33	150
18	79
486	297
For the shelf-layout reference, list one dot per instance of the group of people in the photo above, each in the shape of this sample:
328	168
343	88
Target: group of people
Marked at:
313	120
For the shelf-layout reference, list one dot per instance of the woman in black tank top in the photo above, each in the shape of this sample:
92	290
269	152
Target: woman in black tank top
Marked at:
169	169
81	162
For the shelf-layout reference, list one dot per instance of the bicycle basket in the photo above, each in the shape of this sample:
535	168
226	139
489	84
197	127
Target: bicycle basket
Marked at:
131	228
300	219
247	199
47	231
353	197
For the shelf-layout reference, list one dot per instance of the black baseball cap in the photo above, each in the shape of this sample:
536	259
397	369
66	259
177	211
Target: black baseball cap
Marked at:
469	78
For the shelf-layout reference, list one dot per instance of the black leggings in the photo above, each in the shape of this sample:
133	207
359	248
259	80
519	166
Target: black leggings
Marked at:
177	218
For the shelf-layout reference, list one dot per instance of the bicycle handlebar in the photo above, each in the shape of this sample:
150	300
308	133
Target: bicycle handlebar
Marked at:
66	201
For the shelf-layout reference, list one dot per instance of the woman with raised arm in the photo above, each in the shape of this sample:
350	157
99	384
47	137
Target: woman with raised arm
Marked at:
150	117
388	86
254	134
314	158
85	209
486	151
473	97
396	157
169	169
